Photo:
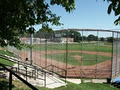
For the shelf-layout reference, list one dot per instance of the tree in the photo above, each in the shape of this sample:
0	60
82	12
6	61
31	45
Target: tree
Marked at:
74	34
17	15
45	29
110	39
115	6
84	38
44	32
102	39
92	38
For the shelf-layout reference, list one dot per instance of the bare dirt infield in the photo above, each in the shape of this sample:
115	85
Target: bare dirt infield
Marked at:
100	70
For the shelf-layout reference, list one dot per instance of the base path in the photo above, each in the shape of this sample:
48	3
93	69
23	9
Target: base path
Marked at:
100	70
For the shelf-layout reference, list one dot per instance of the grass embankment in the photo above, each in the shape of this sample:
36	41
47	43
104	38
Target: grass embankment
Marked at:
4	61
17	85
85	86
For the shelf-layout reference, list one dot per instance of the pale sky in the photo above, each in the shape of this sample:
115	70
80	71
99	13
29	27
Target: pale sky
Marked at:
88	14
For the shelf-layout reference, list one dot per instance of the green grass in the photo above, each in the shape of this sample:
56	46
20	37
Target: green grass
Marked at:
17	85
5	52
6	62
79	46
87	86
88	59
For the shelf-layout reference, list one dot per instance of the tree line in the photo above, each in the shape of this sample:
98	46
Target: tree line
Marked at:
49	33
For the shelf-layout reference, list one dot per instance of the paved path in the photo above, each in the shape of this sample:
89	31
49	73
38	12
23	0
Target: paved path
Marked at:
51	81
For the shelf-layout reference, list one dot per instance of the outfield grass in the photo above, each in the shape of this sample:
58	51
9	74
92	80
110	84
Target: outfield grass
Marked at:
87	59
85	47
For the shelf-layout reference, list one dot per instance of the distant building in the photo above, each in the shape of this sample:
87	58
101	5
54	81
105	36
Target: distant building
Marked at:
43	40
70	40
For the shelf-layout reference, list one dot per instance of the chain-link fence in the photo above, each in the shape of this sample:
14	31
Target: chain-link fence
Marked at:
116	55
74	53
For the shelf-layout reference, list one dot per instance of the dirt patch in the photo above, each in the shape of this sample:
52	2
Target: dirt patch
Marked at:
72	51
100	70
77	57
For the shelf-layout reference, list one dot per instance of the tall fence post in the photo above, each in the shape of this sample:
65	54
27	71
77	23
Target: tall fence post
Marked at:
46	50
31	48
66	55
116	68
112	61
81	53
97	53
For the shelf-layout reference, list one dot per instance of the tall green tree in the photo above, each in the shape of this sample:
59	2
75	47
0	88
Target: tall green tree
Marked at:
115	7
17	15
91	37
110	39
44	32
74	34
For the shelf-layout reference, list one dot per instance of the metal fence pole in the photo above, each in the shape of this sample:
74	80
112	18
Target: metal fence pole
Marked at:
66	54
97	53
116	54
46	50
31	48
81	52
112	61
40	51
52	53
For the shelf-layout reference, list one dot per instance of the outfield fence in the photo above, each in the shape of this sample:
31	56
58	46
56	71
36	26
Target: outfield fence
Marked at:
75	53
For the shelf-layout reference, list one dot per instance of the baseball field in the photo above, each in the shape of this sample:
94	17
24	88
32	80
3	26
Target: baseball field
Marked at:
92	60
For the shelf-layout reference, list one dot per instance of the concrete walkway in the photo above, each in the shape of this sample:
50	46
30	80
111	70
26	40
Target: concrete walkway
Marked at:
51	81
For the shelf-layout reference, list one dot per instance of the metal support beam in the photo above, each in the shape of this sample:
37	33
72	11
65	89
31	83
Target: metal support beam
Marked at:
26	72
10	81
44	79
18	67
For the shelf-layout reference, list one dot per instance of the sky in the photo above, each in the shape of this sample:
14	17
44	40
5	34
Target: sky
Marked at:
89	14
